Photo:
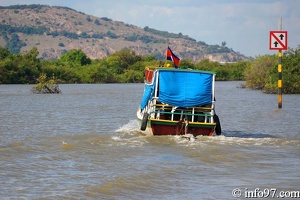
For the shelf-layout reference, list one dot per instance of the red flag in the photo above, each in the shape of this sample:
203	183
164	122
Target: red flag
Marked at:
173	57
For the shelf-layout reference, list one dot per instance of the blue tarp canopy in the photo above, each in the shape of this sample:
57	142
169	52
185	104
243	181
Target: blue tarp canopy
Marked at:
182	88
148	94
185	88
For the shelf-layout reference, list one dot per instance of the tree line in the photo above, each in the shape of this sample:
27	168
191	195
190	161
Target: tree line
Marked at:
125	66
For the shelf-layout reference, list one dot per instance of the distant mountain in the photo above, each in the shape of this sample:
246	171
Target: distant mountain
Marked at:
55	30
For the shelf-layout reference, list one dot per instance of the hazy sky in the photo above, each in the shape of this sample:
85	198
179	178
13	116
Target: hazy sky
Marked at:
243	24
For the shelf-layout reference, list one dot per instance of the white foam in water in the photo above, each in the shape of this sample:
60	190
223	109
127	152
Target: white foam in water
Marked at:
244	141
116	138
131	126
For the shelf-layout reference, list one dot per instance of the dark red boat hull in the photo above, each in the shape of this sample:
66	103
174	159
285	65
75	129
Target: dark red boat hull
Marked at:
165	127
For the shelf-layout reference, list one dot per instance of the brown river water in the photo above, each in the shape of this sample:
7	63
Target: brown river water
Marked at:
85	143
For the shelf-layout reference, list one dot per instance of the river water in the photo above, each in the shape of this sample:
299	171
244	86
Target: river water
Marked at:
85	143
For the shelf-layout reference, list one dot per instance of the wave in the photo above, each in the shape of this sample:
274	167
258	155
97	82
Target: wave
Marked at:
131	127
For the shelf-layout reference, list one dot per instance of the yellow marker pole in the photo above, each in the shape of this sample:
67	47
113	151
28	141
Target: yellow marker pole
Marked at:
280	79
280	69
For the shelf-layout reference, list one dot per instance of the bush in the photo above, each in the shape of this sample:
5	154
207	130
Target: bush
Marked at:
263	73
45	86
258	73
61	44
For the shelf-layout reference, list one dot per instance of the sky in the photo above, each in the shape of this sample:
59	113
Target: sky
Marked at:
244	25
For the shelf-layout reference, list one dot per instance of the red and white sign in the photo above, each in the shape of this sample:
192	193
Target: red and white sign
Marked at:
278	40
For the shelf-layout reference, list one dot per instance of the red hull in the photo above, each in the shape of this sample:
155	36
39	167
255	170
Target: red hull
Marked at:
159	128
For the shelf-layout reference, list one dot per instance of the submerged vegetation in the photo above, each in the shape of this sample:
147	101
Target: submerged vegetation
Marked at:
125	66
45	85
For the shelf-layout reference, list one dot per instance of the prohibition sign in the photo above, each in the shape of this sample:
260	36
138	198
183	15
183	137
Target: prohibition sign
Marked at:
278	40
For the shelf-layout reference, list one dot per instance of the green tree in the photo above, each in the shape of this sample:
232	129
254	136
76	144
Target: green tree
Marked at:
97	22
15	44
4	53
75	58
132	76
8	71
115	64
263	73
102	74
61	44
29	66
258	73
88	18
186	64
121	60
291	71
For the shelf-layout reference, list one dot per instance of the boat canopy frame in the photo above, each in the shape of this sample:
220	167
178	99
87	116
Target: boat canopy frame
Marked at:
153	95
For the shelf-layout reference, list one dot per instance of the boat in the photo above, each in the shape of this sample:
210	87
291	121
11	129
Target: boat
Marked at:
178	101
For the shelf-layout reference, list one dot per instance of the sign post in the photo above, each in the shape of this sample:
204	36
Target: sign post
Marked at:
278	41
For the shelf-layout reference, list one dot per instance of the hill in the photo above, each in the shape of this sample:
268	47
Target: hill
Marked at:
55	30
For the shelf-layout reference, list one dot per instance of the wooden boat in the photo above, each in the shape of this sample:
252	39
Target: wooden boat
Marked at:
178	102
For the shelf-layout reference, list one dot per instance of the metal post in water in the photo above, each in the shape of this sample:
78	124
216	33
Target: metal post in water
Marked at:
280	70
280	79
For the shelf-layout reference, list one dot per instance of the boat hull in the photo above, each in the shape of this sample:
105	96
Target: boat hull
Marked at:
167	127
162	126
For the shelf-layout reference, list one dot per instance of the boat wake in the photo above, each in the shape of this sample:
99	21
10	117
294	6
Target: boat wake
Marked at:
131	132
242	134
132	127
